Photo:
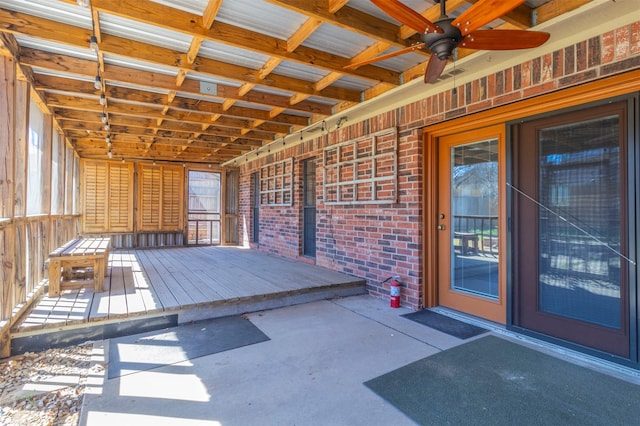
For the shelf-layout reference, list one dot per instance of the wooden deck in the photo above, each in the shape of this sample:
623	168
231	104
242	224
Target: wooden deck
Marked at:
192	282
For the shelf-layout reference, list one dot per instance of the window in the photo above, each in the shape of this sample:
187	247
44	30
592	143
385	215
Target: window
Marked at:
35	153
362	171
57	174
70	180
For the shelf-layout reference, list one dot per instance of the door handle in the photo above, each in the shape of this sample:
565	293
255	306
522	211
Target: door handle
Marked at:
441	227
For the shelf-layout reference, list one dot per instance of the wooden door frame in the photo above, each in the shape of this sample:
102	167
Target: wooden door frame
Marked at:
494	310
605	88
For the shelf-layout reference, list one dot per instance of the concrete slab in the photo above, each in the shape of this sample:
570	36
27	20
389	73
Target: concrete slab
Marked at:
311	372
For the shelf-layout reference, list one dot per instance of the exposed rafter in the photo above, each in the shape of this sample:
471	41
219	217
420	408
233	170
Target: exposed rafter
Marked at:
205	85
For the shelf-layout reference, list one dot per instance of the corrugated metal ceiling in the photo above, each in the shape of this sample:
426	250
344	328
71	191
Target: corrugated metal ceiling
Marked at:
243	67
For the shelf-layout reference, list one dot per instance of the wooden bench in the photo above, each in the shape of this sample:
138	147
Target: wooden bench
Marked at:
82	252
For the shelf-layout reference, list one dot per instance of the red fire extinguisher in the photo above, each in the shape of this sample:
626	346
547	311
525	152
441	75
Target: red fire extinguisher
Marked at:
394	291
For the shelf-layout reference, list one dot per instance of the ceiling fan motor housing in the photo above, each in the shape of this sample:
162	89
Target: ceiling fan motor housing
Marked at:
442	44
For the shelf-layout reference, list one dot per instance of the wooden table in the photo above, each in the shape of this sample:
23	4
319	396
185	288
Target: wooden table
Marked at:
82	252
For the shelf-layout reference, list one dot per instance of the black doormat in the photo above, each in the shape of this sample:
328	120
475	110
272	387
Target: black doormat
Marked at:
446	324
491	381
146	351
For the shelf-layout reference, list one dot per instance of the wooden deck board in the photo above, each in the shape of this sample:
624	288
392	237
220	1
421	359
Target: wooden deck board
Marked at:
100	304
135	302
165	296
117	295
178	266
81	308
163	281
142	285
237	277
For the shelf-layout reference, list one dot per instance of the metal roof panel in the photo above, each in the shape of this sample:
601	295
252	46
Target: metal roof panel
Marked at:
263	17
338	41
353	83
300	71
212	79
196	7
55	47
145	33
233	55
68	13
139	65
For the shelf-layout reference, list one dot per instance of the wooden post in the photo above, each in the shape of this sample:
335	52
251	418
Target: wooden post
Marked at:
7	134
5	343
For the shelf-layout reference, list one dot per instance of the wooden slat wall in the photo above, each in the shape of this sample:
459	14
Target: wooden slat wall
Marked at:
25	241
7	238
7	188
7	129
21	131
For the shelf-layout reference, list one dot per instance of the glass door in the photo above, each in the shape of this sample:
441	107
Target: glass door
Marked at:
571	233
470	277
204	214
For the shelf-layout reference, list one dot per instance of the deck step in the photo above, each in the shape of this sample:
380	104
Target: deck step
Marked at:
53	336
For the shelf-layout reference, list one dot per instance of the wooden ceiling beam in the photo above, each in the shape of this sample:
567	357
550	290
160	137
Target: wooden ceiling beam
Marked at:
173	19
555	8
67	34
335	5
95	117
76	124
83	69
119	139
9	46
348	18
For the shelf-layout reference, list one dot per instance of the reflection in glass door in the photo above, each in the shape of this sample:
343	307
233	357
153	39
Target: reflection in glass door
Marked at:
474	210
571	239
579	181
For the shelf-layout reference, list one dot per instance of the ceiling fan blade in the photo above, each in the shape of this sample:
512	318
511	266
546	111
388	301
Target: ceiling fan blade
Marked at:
483	12
407	16
504	39
385	56
434	69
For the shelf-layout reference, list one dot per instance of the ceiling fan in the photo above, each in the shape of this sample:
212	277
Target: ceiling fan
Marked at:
444	35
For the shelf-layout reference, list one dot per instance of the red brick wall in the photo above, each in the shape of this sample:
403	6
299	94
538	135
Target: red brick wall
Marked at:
379	241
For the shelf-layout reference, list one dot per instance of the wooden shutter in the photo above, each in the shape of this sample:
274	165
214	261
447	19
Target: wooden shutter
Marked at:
149	197
120	197
95	196
161	197
172	190
108	196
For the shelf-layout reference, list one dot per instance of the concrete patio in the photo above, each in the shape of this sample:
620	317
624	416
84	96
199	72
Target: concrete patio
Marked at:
310	372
